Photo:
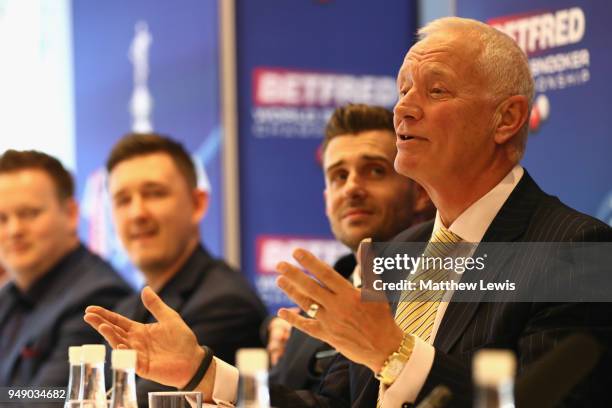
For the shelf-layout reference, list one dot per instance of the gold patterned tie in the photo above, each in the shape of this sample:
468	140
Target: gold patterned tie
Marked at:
416	311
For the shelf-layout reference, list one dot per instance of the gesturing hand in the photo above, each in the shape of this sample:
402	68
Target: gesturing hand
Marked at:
364	332
168	351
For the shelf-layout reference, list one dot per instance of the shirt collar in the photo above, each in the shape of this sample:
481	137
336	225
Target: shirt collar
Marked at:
472	224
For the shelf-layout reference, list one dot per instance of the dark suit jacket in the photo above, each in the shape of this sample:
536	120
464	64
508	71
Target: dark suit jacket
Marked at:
530	329
215	301
299	368
39	355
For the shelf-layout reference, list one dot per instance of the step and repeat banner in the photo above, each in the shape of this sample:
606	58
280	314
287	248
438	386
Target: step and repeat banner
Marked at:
297	61
88	73
78	75
145	66
568	45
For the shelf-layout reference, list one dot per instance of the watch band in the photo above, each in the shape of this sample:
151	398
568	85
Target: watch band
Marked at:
396	361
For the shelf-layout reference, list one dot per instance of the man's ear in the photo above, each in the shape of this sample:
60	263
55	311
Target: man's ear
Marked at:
512	114
200	204
71	207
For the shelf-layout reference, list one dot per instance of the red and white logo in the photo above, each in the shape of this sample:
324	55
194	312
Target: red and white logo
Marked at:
272	249
540	112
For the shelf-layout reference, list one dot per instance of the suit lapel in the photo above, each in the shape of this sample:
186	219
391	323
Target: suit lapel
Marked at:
508	225
4	312
5	307
34	336
179	288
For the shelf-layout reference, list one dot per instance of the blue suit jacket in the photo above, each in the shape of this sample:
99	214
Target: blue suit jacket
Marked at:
39	356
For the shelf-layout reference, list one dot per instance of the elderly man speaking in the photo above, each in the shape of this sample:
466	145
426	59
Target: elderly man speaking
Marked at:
465	93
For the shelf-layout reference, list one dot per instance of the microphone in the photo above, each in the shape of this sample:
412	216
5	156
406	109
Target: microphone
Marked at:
547	381
439	397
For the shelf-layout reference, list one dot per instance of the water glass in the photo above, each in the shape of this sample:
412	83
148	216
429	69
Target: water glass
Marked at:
175	399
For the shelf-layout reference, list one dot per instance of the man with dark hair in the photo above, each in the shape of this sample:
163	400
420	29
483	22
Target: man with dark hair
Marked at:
365	198
140	144
354	118
53	275
157	208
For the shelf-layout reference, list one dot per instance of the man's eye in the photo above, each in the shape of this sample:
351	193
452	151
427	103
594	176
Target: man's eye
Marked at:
154	193
29	213
437	91
339	176
377	171
121	201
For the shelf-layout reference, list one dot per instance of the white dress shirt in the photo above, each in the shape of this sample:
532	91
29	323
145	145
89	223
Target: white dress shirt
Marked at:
471	226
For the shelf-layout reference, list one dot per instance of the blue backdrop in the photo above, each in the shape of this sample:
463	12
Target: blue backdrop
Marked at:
298	60
568	44
182	83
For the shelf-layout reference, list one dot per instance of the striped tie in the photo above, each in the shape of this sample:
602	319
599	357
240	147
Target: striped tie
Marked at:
416	311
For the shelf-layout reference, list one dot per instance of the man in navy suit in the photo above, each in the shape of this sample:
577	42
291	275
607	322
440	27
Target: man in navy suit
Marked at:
53	276
465	92
157	208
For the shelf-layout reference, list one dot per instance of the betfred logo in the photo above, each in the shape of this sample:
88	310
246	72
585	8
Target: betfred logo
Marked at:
292	88
273	249
541	31
290	103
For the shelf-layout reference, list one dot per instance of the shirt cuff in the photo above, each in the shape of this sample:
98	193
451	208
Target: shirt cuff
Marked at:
412	377
225	390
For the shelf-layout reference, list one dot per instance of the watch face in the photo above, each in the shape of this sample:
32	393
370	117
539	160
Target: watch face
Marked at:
395	367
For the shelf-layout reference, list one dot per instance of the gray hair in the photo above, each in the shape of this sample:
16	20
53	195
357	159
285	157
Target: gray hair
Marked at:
501	61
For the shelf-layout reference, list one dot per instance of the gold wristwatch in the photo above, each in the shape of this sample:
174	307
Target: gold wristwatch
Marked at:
396	361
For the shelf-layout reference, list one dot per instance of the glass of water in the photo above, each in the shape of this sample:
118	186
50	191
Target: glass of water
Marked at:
86	404
175	399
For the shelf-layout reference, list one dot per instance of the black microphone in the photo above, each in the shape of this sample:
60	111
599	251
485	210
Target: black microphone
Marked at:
439	397
547	381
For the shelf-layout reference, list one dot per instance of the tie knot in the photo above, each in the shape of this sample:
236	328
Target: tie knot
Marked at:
445	235
442	243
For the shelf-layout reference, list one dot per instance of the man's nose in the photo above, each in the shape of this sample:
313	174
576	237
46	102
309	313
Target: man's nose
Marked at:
354	186
138	207
15	225
407	107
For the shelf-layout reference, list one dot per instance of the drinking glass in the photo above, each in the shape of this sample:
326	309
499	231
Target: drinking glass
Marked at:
86	404
175	399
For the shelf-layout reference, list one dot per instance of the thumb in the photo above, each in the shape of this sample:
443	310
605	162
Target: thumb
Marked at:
155	305
364	242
